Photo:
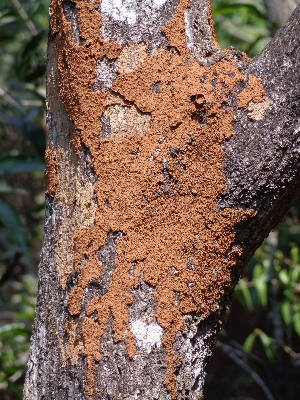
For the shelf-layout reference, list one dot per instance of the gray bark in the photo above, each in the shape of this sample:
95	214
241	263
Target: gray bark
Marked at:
262	173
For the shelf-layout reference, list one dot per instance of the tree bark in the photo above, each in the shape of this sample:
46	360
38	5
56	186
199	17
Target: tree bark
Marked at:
168	162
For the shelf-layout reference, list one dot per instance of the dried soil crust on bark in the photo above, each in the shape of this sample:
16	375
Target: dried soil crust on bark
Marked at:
158	180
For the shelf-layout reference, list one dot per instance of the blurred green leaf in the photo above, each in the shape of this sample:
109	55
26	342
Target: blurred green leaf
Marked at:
284	277
295	254
295	274
6	188
243	289
267	344
296	322
241	24
6	331
262	290
257	271
25	315
14	228
234	8
249	342
14	164
286	311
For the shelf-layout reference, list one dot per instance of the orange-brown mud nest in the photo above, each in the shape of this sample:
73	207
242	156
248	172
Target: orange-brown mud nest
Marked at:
159	188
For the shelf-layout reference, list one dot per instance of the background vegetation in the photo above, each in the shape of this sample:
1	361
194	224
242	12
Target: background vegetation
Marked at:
258	353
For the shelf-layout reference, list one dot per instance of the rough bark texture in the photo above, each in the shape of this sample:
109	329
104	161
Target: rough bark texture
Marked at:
145	91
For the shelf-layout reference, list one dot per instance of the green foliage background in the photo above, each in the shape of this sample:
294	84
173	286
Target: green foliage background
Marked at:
258	353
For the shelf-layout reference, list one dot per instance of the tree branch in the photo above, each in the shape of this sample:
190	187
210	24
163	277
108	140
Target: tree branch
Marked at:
262	157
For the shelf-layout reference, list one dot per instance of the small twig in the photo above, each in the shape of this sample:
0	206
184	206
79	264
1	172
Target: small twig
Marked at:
239	350
292	353
24	16
228	350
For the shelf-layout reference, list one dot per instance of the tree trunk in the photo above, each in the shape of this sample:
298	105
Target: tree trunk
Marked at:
168	162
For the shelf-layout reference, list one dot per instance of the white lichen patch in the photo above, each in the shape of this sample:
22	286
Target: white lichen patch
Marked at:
127	10
131	57
146	336
189	31
159	3
256	111
297	130
126	120
106	73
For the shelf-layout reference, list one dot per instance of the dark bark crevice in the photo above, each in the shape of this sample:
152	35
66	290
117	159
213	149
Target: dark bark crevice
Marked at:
71	16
